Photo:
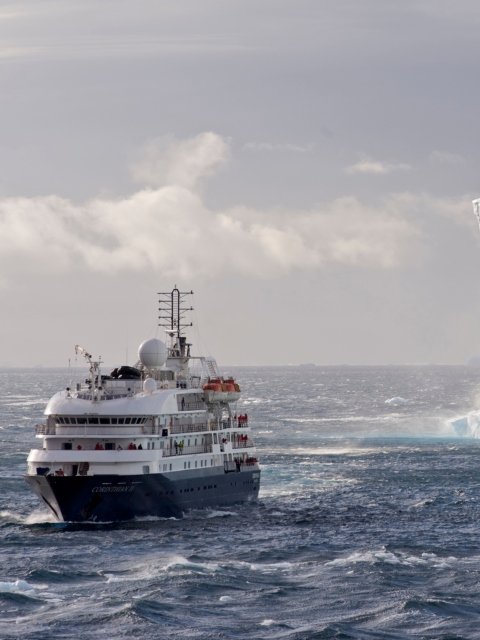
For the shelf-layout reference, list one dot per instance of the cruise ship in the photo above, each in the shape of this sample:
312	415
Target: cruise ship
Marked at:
155	439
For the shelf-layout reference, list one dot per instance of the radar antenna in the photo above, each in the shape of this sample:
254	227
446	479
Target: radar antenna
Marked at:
95	373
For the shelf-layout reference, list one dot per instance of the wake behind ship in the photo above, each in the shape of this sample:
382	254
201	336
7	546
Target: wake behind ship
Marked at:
155	439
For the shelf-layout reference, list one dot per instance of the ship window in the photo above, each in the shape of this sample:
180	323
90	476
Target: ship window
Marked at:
211	462
127	420
148	445
104	420
162	444
184	465
189	465
82	420
153	445
114	421
195	442
109	446
121	420
93	420
201	463
146	469
66	446
170	466
195	464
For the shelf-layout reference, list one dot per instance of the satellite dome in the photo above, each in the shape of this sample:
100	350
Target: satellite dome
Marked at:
149	385
153	353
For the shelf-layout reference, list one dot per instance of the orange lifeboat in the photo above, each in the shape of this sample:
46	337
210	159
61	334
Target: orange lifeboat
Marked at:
215	391
213	385
233	390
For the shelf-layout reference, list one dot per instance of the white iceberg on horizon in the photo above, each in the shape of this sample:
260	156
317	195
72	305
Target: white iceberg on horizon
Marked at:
468	426
396	400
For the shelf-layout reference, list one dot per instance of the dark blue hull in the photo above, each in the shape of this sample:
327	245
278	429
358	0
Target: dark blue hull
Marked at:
109	498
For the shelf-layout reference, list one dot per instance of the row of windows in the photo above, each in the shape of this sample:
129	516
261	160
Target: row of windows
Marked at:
94	420
210	486
203	463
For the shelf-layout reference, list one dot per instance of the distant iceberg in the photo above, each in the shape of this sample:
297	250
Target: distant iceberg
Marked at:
468	426
396	400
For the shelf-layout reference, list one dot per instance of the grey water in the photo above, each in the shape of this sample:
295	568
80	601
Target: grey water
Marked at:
367	523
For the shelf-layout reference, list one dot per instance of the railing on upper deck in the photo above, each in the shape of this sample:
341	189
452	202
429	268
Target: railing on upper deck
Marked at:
181	450
44	430
194	405
189	428
242	444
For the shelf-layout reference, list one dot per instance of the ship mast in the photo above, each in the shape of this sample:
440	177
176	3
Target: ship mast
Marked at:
172	308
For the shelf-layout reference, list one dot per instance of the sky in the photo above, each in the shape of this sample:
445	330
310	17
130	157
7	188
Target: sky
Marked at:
305	167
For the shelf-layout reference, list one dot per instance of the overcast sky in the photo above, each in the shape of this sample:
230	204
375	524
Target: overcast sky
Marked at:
306	167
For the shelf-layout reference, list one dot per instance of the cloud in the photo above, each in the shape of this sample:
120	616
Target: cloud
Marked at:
367	165
285	146
445	157
170	229
184	163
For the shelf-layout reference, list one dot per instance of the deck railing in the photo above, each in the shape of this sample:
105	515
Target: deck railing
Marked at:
189	428
179	450
192	405
242	444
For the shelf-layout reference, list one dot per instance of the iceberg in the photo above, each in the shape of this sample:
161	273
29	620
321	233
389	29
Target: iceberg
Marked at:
397	400
468	426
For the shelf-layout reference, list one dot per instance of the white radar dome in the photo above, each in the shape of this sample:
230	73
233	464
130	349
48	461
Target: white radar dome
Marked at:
153	353
149	385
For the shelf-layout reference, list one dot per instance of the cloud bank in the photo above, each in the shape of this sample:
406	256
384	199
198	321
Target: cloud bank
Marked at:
367	165
167	226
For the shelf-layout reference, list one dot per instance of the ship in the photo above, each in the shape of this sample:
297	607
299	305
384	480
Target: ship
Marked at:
156	439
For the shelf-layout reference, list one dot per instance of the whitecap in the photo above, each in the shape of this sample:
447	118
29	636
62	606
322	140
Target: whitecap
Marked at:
267	568
226	599
388	557
179	562
396	400
19	586
39	516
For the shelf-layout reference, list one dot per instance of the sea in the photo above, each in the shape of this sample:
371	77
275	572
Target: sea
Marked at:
367	523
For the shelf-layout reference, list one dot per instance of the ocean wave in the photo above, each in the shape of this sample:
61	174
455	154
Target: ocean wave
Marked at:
181	563
207	514
35	517
388	557
269	568
19	586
